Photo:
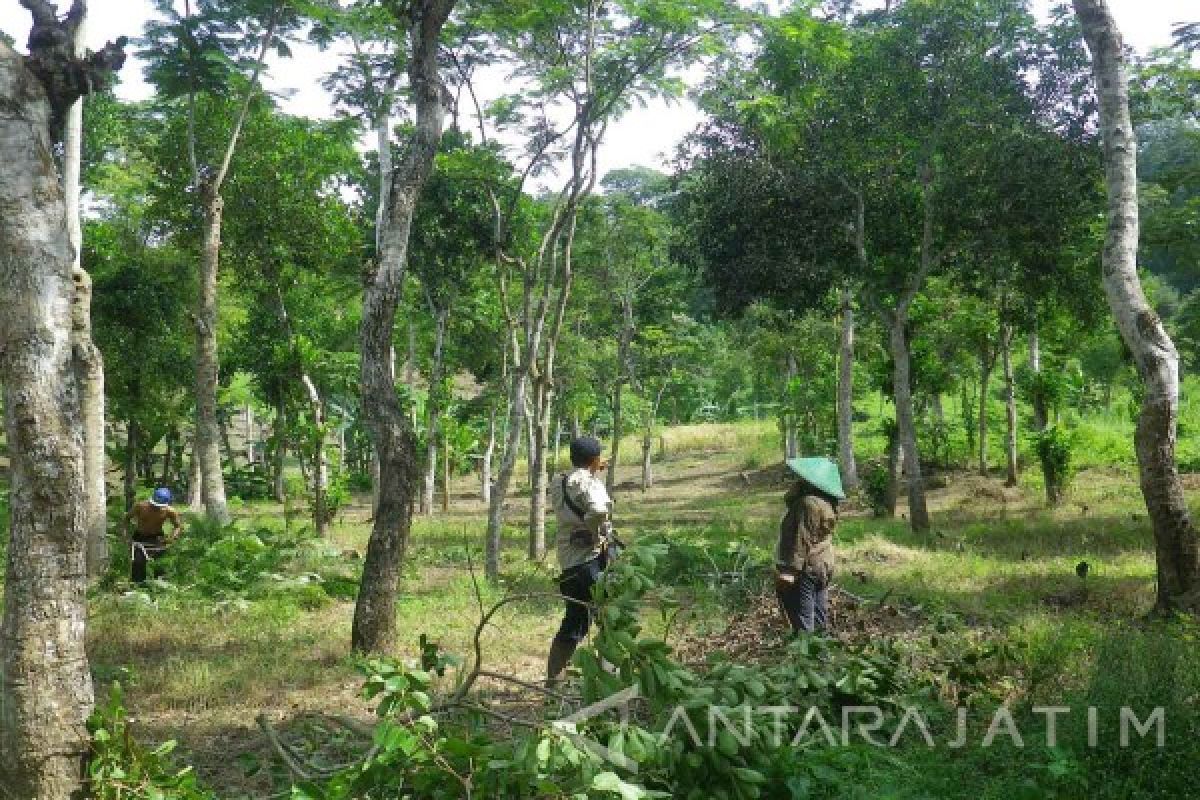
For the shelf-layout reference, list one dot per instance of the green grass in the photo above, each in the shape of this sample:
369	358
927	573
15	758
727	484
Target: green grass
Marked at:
997	566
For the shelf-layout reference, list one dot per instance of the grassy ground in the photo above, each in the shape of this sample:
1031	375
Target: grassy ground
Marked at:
199	669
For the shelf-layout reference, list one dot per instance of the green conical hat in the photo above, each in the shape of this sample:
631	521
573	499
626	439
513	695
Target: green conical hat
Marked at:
821	473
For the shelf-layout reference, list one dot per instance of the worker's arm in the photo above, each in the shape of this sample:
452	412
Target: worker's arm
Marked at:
176	525
597	508
793	541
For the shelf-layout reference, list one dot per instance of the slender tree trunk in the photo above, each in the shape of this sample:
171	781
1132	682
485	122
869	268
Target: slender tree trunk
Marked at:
433	409
624	370
610	480
986	363
131	463
906	428
248	435
1010	408
280	451
1040	412
320	472
647	467
539	480
791	448
374	628
445	474
845	389
1177	547
89	363
895	453
489	453
45	683
208	448
495	529
195	502
168	457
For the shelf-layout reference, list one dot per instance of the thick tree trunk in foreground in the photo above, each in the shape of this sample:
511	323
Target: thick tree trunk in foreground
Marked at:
1177	547
391	431
845	396
1010	408
208	432
45	684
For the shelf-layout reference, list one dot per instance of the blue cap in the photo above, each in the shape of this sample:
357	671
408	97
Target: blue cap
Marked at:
162	497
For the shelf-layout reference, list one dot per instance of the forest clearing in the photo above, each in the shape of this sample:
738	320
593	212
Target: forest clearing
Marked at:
380	425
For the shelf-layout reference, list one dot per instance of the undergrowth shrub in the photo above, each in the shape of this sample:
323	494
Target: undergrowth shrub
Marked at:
229	563
121	769
875	481
1055	447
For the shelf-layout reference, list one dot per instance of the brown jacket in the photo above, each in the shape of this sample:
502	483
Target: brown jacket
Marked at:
806	535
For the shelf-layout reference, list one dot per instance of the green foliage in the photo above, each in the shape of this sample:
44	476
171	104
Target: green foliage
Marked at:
121	769
1055	448
876	485
232	565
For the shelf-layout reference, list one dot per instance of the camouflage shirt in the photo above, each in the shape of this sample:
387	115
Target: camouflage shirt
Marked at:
580	537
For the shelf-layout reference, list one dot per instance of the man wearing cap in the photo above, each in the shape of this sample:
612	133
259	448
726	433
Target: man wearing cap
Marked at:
804	554
149	543
585	545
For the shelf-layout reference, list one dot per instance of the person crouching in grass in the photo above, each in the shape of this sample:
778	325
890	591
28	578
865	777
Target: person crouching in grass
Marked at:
148	541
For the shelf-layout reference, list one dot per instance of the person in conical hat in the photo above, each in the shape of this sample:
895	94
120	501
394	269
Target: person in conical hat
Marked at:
804	554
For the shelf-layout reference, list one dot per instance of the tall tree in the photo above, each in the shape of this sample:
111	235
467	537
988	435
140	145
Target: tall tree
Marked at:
595	58
45	685
1177	546
89	364
390	428
203	53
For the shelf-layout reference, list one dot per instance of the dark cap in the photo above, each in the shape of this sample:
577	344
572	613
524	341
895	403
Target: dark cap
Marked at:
585	450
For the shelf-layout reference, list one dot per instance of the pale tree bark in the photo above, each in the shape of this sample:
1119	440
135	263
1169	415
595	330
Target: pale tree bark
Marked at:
1040	412
987	362
1177	547
433	406
489	453
624	370
1010	407
845	395
195	500
45	684
208	188
845	390
391	430
89	363
320	473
